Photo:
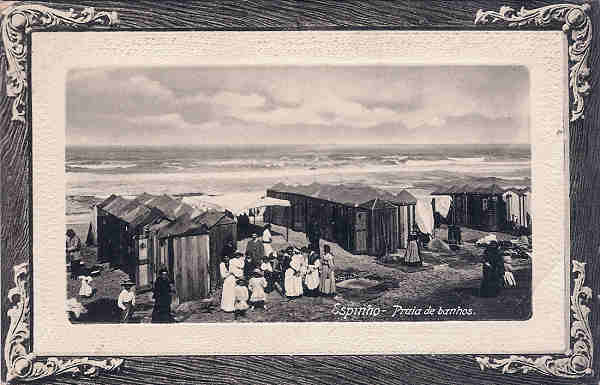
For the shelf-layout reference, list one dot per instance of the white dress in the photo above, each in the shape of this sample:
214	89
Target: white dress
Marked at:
293	277
312	276
267	239
228	294
86	289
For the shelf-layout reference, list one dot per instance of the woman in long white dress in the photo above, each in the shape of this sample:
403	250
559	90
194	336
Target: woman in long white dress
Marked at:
228	294
327	286
293	277
312	279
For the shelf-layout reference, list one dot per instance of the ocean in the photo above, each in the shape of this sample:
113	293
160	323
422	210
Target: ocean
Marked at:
94	173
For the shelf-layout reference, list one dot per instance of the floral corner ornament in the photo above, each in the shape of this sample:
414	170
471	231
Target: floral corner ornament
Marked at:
578	361
578	27
19	21
24	366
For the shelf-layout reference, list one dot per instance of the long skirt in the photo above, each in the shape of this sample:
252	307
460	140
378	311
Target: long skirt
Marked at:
293	283
126	314
228	294
268	249
411	257
162	312
327	285
492	282
312	280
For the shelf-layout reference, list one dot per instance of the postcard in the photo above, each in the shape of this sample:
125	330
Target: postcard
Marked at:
372	193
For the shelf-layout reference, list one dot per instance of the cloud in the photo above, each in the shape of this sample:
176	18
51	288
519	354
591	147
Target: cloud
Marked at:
302	104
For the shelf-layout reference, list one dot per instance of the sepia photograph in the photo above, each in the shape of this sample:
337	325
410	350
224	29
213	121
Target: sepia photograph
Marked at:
298	193
358	177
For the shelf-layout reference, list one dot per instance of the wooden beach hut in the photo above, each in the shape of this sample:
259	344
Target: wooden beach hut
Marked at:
118	221
185	246
344	214
406	203
222	228
383	235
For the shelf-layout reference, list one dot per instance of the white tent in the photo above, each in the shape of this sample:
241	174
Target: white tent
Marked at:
424	215
265	202
442	204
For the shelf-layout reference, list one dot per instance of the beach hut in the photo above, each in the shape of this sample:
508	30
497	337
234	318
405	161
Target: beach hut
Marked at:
406	203
185	246
344	215
118	221
222	228
383	236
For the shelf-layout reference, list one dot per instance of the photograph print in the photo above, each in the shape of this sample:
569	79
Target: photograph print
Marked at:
298	194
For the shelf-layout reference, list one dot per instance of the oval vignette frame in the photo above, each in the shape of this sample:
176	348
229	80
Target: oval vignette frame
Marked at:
19	20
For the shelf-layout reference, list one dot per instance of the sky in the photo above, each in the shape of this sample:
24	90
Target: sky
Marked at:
351	105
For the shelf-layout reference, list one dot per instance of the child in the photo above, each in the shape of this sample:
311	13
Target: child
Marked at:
257	284
85	290
509	278
267	270
241	298
126	300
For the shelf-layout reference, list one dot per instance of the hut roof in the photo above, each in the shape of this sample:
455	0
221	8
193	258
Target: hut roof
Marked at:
405	198
212	218
131	211
182	225
351	194
171	207
114	204
377	203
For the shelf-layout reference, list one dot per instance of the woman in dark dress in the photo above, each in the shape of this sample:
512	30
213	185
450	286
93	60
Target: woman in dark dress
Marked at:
493	271
162	298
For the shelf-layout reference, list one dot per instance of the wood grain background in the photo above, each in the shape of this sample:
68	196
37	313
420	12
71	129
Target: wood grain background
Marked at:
15	205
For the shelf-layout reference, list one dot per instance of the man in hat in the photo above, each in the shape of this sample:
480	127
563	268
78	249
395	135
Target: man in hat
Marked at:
162	298
73	248
254	249
126	301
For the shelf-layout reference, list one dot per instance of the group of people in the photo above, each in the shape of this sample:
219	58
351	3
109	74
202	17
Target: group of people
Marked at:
162	294
248	277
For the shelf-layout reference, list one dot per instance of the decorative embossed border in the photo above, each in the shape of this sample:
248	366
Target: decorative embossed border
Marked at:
19	20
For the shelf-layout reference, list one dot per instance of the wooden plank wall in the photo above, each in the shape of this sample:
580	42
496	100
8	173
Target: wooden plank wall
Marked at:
191	257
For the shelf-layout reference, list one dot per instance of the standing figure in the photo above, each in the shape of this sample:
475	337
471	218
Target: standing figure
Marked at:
241	298
228	293
85	290
162	298
314	234
327	286
74	253
312	279
293	276
257	285
249	266
126	301
254	248
266	269
267	239
411	256
493	271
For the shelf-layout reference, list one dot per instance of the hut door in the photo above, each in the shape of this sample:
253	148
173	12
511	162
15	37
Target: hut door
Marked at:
144	271
360	231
